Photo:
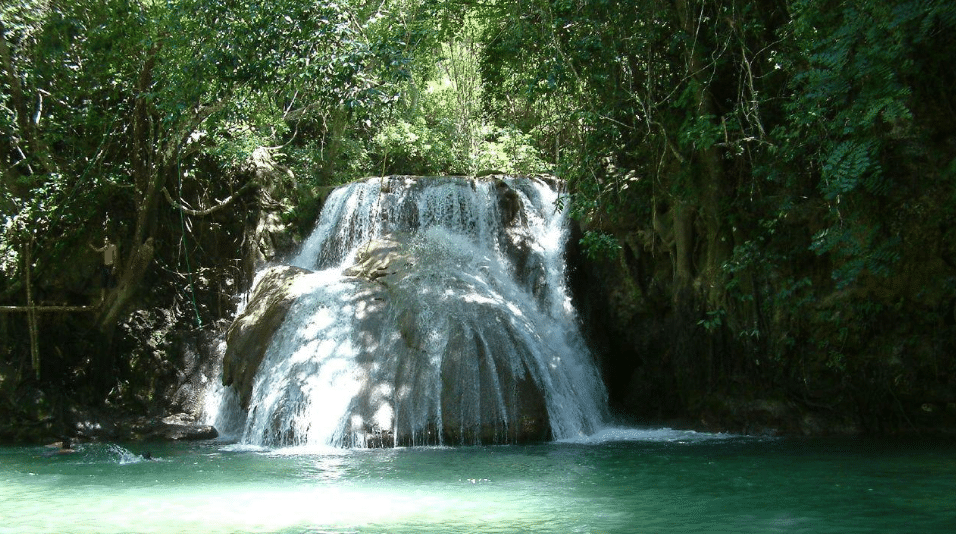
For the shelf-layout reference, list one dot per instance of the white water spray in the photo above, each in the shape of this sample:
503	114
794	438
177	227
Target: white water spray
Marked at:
466	333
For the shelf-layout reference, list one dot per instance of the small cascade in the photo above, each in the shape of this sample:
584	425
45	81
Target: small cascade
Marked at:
421	311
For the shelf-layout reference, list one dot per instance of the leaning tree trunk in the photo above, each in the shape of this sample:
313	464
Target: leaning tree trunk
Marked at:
121	295
148	179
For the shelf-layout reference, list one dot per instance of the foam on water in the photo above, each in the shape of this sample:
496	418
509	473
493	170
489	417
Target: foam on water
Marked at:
659	435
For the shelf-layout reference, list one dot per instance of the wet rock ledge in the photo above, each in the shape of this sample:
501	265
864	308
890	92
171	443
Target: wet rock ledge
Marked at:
175	427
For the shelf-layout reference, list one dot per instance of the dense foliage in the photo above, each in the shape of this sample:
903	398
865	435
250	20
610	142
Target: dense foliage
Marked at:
770	183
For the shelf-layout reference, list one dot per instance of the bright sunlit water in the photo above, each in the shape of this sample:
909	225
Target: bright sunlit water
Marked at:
619	481
475	328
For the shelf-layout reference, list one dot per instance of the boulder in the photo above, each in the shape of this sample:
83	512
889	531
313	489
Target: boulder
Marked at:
112	425
382	257
250	334
509	204
485	397
438	361
486	392
182	427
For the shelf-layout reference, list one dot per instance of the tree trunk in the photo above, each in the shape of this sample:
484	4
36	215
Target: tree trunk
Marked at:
25	124
683	214
130	280
145	173
709	174
149	178
335	129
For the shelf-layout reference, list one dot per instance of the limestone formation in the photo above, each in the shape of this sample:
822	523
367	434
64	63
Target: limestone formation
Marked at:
249	335
433	316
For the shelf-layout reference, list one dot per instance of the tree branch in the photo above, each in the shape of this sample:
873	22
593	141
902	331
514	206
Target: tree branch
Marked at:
17	98
202	213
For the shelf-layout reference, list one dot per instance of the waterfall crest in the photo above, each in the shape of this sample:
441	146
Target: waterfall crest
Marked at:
420	311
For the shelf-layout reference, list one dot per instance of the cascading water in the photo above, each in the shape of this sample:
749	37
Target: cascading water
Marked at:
420	311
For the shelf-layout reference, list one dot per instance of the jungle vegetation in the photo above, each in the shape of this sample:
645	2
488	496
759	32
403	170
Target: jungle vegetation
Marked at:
770	182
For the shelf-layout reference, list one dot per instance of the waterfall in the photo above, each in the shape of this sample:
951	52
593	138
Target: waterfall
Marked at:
420	311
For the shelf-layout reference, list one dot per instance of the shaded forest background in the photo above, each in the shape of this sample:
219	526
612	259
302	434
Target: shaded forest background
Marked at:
764	191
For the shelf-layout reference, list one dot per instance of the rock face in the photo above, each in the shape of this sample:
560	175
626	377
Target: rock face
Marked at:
519	416
249	335
476	364
176	427
662	365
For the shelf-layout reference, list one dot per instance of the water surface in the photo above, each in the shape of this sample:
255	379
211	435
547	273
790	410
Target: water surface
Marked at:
617	482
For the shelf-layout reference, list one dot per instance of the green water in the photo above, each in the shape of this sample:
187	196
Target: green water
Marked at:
655	481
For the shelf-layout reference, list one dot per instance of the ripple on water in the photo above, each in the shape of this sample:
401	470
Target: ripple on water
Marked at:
653	435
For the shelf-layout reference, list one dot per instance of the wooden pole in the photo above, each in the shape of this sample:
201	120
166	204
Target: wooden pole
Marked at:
31	314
